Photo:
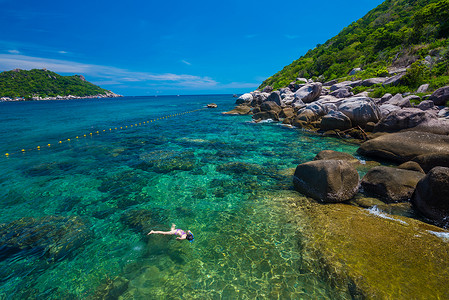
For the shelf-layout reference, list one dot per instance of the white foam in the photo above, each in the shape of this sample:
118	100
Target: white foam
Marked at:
441	235
379	213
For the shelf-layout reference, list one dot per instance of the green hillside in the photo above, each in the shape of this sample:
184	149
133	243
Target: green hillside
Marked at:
44	83
396	34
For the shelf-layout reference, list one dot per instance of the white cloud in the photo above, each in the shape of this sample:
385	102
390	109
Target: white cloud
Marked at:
14	51
62	52
186	62
107	73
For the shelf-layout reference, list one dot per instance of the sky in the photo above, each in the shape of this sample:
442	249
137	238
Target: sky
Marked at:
138	47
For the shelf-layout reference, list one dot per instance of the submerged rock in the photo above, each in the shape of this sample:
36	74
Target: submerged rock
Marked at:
239	110
327	180
52	237
142	221
167	161
431	197
391	184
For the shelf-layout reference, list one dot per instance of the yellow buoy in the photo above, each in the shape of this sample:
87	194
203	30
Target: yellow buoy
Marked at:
60	142
97	132
76	137
68	140
23	150
7	154
49	145
38	147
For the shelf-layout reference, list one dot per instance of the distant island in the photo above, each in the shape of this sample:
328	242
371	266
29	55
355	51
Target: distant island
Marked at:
42	84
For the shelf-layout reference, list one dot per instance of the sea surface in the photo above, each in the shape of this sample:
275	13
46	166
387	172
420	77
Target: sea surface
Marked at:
83	181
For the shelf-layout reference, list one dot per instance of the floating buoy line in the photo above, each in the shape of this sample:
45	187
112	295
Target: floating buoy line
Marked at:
96	133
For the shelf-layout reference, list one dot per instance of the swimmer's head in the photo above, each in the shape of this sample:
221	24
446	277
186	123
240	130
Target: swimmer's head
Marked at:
189	237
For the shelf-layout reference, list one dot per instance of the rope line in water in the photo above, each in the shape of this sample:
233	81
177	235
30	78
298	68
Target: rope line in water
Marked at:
98	132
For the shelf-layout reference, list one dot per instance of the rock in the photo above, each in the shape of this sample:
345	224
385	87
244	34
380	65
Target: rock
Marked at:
270	106
404	146
239	110
267	89
287	112
212	105
335	120
385	98
355	71
391	184
399	101
412	166
444	113
394	80
309	93
431	196
345	84
327	180
240	168
245	98
266	115
386	109
293	86
411	98
274	97
440	96
307	115
360	110
405	118
330	83
373	81
336	155
298	104
167	161
423	88
258	98
426	105
342	93
53	237
429	161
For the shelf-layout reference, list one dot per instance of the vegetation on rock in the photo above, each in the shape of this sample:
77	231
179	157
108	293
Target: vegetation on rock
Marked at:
43	83
410	34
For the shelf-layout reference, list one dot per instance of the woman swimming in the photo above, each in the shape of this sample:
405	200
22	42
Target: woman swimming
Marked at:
182	235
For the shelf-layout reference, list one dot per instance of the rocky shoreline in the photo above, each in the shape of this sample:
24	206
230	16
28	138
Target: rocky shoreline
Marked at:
391	128
109	94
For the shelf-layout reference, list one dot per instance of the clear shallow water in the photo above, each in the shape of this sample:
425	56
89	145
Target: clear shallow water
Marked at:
92	199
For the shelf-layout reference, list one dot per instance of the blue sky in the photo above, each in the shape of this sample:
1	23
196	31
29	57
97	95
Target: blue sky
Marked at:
151	47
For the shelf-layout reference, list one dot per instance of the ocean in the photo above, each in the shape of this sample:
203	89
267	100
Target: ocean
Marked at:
83	181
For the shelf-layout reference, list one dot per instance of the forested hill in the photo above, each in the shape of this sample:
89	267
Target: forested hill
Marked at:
39	84
397	34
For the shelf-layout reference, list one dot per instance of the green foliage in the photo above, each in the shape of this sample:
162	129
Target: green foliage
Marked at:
43	83
395	34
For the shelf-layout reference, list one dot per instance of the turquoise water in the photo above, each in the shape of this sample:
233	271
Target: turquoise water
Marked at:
75	214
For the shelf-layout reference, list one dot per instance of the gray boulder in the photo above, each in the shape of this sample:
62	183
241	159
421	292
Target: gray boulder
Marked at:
385	98
345	84
391	184
394	80
309	93
239	110
275	97
404	146
444	113
429	161
355	71
386	109
330	83
403	119
336	155
268	89
412	166
307	115
327	180
266	115
342	93
270	105
373	81
423	88
360	110
245	98
398	100
426	105
431	196
335	120
440	96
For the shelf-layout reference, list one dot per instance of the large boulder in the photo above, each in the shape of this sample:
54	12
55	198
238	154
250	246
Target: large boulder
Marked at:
309	93
335	120
431	196
239	110
394	80
429	161
386	109
404	146
245	98
266	115
345	84
307	115
327	180
336	155
275	97
440	96
52	237
343	92
398	100
403	119
373	81
360	110
391	184
270	105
